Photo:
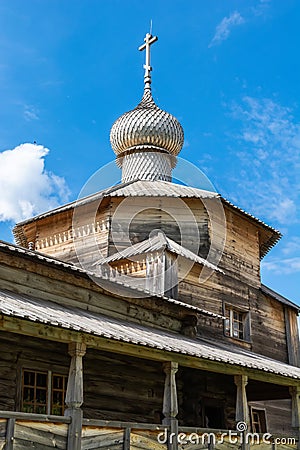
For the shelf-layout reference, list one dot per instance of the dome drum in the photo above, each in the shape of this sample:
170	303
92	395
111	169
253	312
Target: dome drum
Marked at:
147	166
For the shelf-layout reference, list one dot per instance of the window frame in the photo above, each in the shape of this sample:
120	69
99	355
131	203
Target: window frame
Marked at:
263	426
244	335
50	374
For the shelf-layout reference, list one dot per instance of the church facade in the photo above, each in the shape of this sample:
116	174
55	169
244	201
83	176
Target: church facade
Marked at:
136	318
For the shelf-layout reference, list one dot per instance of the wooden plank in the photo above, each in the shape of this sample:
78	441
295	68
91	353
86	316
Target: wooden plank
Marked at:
104	438
39	435
3	426
146	441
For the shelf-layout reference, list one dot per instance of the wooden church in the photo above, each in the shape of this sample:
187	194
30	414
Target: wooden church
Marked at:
138	312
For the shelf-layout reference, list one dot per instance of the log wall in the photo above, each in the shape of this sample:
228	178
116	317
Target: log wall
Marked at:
121	388
278	415
267	316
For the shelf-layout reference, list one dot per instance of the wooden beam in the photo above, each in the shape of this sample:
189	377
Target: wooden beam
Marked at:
42	331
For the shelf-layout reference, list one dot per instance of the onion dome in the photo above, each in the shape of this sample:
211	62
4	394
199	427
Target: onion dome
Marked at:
146	127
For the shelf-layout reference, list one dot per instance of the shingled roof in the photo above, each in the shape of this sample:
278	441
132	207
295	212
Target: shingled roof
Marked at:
124	289
156	243
146	188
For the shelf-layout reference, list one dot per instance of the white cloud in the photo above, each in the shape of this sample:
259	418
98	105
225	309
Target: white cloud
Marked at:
292	246
281	266
261	8
224	28
26	187
30	113
269	151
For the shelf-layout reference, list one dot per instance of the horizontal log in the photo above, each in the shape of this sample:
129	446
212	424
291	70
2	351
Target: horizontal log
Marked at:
34	417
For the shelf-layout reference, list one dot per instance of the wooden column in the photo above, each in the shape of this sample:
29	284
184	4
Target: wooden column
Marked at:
74	395
170	405
295	394
241	408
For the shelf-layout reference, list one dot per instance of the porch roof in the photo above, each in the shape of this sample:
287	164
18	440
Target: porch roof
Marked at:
49	313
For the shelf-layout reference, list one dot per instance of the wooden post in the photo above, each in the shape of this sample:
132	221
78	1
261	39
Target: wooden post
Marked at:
10	431
126	445
170	405
295	394
241	409
74	395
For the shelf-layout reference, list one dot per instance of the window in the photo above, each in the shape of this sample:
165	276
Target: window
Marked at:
236	323
43	392
258	420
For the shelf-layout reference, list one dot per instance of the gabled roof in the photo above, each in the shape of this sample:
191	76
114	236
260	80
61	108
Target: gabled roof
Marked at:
146	188
268	291
49	313
156	243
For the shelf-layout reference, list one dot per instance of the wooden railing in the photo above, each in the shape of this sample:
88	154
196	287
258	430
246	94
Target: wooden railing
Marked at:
19	431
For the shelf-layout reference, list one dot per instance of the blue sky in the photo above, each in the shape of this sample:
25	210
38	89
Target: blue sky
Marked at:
229	71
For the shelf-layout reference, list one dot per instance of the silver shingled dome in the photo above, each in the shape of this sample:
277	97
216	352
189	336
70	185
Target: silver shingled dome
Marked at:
146	127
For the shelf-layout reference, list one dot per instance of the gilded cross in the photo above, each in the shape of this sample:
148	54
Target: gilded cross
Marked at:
149	40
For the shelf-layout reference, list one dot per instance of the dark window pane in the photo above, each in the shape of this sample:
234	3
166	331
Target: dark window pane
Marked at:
41	379
41	395
58	382
28	394
57	397
29	378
